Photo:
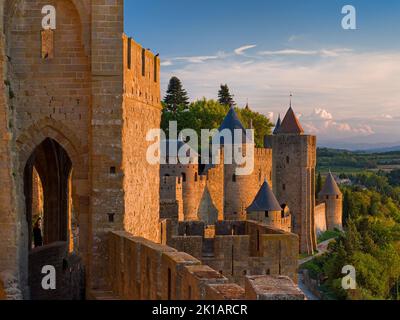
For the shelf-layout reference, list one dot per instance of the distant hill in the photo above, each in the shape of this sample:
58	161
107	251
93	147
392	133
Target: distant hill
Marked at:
382	150
342	161
361	146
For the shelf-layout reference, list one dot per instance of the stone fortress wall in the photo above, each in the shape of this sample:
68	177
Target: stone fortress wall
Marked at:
86	94
141	270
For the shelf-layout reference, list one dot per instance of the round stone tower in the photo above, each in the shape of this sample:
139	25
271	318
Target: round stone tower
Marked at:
188	173
333	198
238	188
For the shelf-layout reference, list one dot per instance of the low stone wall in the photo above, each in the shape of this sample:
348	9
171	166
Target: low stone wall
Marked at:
238	249
272	288
139	269
69	273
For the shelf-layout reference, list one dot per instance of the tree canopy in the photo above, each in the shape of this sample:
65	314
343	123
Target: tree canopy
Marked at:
209	114
370	243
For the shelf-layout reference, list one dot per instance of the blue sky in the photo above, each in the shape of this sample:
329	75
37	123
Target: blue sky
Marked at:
345	82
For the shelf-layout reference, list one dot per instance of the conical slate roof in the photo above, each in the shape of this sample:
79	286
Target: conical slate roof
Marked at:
290	125
330	188
232	123
265	200
278	125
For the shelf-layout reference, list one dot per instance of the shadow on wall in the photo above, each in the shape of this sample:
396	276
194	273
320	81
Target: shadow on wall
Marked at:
2	292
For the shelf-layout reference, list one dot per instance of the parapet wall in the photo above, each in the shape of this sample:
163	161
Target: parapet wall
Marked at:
141	270
238	249
141	114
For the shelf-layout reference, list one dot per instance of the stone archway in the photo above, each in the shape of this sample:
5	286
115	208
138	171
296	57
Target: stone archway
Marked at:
61	162
53	166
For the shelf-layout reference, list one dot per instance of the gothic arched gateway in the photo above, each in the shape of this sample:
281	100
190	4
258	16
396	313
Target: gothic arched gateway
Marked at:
47	189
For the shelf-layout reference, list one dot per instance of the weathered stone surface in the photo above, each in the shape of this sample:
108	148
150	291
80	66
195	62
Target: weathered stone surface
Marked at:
272	288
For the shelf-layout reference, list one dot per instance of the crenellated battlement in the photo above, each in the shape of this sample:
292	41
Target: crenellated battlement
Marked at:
141	73
263	152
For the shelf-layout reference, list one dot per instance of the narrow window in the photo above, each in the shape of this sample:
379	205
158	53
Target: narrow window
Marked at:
287	159
155	68
266	214
113	170
184	177
196	177
284	187
111	217
129	53
234	178
143	62
47	44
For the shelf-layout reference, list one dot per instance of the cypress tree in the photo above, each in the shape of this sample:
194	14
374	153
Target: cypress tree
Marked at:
176	96
224	96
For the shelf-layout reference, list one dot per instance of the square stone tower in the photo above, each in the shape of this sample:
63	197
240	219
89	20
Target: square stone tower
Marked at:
294	162
77	98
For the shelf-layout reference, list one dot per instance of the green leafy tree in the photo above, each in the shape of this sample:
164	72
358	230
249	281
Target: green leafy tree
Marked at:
261	124
209	114
224	96
370	243
176	96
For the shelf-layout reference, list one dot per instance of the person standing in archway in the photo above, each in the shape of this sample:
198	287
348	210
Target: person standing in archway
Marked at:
37	233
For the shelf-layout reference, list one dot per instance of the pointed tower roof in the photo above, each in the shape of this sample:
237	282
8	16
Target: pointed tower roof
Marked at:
265	200
290	124
232	123
278	125
330	188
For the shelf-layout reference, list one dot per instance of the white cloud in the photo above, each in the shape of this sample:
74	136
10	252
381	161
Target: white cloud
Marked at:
196	59
241	50
297	52
323	114
322	122
359	86
166	63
